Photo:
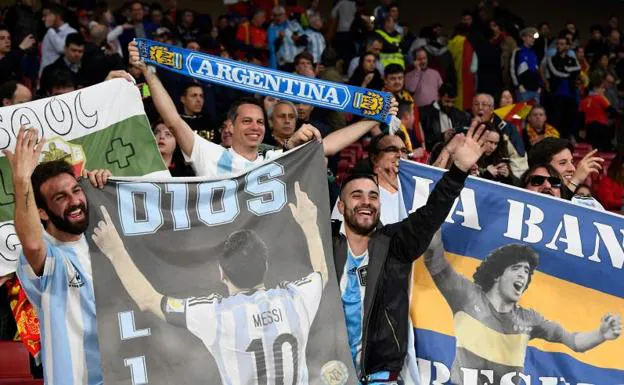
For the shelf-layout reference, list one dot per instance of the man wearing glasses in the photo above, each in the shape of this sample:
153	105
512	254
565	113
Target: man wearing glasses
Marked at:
483	107
544	179
384	153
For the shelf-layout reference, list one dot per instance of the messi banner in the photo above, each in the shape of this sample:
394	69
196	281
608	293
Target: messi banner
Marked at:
102	126
225	281
527	289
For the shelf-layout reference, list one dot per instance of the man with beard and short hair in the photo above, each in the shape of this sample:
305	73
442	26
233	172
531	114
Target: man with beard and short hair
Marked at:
492	330
373	262
440	118
54	266
544	179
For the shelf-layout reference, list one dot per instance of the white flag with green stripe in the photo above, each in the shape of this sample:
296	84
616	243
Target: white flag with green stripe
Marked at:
103	126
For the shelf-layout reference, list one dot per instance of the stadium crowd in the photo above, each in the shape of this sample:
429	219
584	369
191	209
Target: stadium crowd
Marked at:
551	103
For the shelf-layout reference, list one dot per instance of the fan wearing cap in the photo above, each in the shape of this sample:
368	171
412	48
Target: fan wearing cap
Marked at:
525	68
163	35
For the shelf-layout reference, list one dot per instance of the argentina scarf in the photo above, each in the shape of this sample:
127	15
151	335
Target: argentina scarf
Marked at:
264	81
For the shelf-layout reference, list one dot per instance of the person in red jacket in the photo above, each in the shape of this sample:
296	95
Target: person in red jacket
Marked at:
610	191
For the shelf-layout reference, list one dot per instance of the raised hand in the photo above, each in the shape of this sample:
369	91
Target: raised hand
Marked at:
304	211
611	326
135	57
98	178
470	151
27	152
590	164
304	134
106	237
27	43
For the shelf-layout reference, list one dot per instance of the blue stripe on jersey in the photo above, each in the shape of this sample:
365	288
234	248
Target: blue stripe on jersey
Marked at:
294	325
224	164
218	336
352	302
91	343
61	357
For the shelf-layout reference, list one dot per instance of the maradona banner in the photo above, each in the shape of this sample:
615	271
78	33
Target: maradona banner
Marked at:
102	126
527	289
226	281
264	81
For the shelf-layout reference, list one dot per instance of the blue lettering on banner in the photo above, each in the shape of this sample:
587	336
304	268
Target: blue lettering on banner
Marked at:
132	221
271	192
140	203
226	211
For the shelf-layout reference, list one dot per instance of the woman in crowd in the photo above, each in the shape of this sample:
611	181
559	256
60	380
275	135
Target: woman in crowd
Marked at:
494	163
366	74
170	151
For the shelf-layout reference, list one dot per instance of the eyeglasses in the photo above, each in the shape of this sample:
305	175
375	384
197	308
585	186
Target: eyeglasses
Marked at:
395	149
538	180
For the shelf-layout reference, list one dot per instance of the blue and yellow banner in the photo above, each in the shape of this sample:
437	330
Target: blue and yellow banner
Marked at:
264	81
522	288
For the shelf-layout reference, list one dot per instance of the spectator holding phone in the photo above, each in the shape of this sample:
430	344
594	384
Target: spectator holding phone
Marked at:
494	163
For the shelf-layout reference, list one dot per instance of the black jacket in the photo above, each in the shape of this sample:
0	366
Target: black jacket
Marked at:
430	122
391	251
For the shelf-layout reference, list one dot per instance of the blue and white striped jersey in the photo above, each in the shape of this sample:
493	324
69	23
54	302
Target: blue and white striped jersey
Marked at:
352	289
257	337
316	44
65	302
212	160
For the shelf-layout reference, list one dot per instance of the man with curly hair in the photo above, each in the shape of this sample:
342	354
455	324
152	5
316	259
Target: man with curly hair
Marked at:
492	330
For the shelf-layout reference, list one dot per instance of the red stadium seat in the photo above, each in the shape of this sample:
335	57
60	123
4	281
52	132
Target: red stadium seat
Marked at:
21	382
581	149
14	361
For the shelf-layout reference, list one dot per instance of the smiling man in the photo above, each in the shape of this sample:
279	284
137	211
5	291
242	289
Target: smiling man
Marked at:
558	153
492	330
544	179
54	266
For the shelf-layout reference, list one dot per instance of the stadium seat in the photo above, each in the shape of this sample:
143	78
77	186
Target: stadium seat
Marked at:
14	361
581	149
21	382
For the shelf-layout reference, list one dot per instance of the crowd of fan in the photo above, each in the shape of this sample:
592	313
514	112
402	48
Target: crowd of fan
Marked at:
540	94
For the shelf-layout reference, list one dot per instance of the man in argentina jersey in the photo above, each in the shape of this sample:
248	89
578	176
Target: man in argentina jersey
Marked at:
247	116
257	335
491	330
54	265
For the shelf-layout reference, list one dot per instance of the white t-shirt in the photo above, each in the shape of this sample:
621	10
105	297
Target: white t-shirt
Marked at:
344	11
212	160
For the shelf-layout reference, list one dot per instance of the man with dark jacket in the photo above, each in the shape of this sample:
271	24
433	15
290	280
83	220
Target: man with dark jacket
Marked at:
440	119
561	73
373	263
71	62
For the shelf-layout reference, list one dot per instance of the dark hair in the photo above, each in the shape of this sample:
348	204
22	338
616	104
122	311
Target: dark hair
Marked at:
543	23
61	78
581	185
392	69
404	107
75	39
596	27
418	50
499	259
233	110
7	90
358	175
45	171
447	89
304	55
188	85
524	179
543	151
329	57
536	107
3	27
245	257
58	10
